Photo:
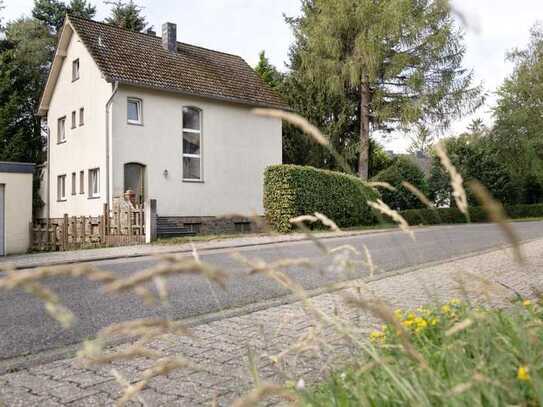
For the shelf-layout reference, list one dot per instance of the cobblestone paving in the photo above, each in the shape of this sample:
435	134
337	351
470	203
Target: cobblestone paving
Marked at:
221	350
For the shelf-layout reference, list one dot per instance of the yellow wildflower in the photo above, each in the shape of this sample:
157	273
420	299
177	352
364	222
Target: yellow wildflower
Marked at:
377	336
523	374
411	315
398	314
434	321
455	301
527	303
446	309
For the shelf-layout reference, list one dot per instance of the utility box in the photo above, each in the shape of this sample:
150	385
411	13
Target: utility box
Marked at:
15	207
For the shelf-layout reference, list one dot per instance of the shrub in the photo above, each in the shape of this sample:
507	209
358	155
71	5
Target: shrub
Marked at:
474	356
453	215
403	169
291	191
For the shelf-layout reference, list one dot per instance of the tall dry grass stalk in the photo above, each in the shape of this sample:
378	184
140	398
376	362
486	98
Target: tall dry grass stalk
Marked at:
383	208
496	214
418	193
457	182
312	131
385	185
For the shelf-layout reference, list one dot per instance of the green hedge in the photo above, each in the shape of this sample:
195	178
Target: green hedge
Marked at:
453	215
291	191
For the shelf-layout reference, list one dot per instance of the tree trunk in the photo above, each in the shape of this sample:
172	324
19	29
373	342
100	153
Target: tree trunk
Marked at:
363	160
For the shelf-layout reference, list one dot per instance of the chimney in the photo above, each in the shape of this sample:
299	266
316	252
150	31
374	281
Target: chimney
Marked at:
169	37
151	31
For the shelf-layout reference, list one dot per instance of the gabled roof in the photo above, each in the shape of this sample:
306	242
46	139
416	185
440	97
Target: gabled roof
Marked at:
139	59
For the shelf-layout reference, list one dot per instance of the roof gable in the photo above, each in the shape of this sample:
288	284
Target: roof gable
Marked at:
139	59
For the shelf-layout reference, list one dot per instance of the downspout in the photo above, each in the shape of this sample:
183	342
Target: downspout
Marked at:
108	104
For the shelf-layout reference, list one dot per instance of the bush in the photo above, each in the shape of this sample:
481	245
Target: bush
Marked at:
403	169
494	361
453	215
291	191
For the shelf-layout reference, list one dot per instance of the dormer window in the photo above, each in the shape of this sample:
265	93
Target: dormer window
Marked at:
75	70
134	111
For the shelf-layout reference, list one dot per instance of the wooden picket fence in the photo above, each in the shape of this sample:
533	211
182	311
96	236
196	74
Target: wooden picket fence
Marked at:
123	227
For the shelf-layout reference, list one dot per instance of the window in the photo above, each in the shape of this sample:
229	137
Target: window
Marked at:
82	116
75	70
74	183
61	187
192	140
74	120
61	130
134	111
81	182
94	183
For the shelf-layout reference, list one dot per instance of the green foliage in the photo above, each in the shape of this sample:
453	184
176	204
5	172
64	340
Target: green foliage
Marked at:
440	216
25	55
52	12
492	361
402	169
267	71
291	191
127	15
400	60
519	118
476	158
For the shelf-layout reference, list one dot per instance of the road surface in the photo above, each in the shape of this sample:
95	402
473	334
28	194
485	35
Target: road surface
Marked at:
26	329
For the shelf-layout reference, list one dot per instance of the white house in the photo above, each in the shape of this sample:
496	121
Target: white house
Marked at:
168	120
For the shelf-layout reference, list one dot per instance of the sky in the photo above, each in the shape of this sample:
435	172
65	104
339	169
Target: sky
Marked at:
245	27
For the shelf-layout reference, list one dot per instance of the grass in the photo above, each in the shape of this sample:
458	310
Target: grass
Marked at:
474	356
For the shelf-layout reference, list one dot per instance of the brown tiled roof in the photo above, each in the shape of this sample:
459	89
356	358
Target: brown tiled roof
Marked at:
140	59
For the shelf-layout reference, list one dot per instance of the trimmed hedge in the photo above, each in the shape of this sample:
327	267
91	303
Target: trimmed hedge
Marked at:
453	215
292	190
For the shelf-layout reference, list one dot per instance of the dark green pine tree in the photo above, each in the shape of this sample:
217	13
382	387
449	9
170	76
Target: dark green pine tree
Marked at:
52	12
267	71
127	15
402	59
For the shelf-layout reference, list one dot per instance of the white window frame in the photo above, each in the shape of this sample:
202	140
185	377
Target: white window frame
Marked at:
139	104
61	130
61	188
81	116
76	67
94	172
199	156
74	119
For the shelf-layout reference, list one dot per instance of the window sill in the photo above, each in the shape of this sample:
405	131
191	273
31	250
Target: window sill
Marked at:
61	142
75	79
194	181
134	124
62	200
94	197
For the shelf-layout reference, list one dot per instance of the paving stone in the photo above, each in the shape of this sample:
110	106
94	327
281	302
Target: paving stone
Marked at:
88	379
69	392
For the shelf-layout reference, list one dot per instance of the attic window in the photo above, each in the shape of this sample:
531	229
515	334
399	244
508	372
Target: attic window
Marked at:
75	70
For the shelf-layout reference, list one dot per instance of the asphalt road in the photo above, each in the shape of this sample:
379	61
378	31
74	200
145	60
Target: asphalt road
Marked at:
26	329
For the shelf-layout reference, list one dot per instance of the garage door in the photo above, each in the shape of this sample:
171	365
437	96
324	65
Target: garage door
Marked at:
2	222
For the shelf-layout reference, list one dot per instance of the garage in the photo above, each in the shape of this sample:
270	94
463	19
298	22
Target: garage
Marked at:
15	207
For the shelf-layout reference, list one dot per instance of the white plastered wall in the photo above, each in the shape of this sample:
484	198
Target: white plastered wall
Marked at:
237	148
85	147
17	211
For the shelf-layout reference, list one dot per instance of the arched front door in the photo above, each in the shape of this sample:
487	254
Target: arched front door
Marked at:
134	180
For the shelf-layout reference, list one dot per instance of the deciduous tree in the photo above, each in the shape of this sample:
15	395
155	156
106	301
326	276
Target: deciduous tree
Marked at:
53	12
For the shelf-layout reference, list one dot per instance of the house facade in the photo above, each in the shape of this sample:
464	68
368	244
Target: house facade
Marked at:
169	121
